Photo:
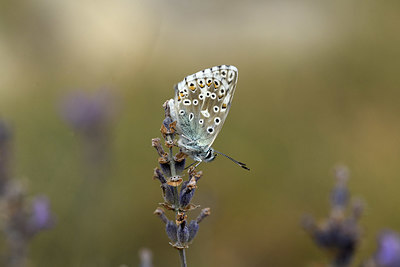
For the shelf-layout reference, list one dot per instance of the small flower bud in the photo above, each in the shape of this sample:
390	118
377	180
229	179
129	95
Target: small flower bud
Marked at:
168	192
183	233
155	142
171	228
203	214
180	160
158	175
340	193
193	229
164	165
160	213
187	192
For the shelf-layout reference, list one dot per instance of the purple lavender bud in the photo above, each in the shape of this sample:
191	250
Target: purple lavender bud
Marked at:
160	213
388	253
168	191
171	228
339	196
203	214
180	166
340	193
187	192
169	196
41	217
158	175
193	229
166	169
183	233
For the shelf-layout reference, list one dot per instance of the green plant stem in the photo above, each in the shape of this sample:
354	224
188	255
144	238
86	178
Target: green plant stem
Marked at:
182	254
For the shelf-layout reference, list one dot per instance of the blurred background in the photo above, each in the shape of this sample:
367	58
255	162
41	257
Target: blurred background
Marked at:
318	85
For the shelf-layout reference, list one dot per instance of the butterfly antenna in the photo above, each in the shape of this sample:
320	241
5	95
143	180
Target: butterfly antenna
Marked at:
198	163
241	164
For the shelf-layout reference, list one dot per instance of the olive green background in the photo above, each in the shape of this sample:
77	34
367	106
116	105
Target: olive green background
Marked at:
318	85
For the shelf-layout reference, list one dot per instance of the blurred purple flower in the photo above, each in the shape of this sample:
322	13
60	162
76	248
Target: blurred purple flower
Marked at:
88	112
90	115
388	253
41	217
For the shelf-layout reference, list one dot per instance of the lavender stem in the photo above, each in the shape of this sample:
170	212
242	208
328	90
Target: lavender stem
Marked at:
182	254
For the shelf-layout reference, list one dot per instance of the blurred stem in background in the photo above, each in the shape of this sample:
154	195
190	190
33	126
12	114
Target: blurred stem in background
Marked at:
146	258
339	234
180	232
90	116
21	219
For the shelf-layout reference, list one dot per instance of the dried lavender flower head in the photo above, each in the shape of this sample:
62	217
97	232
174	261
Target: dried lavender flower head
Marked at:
340	232
88	112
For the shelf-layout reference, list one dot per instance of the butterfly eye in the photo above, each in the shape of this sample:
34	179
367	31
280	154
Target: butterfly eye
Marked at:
209	82
216	83
217	120
192	86
223	73
209	154
201	82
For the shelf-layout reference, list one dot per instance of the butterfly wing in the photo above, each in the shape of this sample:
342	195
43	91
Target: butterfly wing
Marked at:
202	102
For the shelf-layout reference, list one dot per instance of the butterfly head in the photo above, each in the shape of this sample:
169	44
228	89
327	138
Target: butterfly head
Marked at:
209	155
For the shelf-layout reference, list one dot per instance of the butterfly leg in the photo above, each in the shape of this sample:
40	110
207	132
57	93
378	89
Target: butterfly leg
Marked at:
198	163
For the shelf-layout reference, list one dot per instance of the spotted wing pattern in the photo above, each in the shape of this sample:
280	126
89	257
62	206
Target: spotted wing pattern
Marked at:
202	102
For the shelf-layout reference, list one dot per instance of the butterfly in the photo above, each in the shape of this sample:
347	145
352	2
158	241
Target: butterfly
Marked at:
200	107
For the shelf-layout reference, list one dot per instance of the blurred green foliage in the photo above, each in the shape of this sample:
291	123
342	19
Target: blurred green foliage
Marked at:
318	84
